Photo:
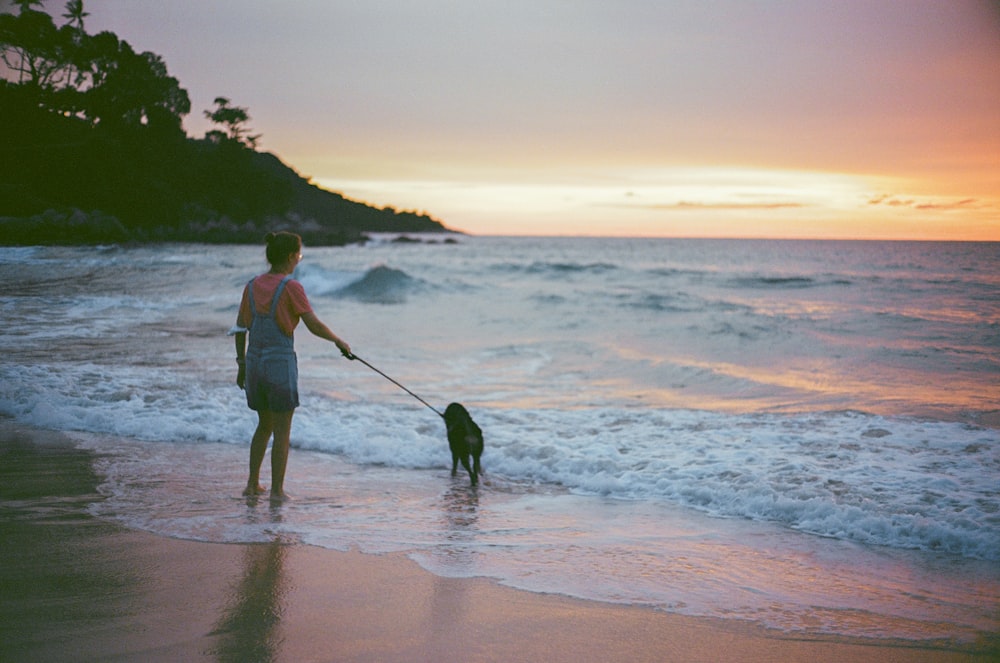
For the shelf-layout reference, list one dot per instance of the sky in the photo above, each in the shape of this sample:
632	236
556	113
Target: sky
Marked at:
680	118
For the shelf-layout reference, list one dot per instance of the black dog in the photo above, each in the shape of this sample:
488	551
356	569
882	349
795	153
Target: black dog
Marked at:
465	439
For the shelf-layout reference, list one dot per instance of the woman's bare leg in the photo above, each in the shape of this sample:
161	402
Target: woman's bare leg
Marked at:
258	447
282	426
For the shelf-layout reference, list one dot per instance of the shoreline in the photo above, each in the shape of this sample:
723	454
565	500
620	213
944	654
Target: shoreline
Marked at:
87	589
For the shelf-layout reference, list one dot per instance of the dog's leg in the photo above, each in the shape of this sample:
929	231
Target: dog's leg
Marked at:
468	468
454	463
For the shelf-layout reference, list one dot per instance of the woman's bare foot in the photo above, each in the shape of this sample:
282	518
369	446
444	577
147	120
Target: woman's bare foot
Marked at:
252	490
280	496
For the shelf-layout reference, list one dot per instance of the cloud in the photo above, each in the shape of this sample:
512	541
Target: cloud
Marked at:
936	205
688	206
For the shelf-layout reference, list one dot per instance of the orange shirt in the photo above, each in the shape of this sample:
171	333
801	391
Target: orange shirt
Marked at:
292	305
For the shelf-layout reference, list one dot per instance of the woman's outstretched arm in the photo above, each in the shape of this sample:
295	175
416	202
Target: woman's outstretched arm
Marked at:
316	326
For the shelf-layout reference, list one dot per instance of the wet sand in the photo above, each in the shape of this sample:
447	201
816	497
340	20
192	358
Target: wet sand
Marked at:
81	589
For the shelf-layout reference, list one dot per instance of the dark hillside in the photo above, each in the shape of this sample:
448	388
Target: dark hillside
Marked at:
66	181
93	151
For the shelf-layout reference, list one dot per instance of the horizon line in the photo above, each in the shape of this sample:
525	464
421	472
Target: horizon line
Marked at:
452	231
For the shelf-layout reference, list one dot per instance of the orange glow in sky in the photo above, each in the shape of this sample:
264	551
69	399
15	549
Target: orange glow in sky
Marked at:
848	119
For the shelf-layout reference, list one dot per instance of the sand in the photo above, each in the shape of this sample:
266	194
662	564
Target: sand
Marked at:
75	588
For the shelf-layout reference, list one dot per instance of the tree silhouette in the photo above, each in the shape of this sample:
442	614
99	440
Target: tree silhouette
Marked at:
134	89
75	15
25	5
97	126
234	119
31	45
99	78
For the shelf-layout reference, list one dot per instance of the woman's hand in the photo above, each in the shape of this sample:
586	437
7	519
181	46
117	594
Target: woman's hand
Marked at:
241	376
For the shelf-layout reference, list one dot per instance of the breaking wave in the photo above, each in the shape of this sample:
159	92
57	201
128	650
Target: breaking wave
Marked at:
379	285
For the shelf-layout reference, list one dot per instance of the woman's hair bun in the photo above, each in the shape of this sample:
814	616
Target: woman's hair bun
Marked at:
280	245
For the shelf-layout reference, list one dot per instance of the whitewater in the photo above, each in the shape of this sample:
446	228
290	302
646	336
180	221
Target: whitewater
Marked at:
798	434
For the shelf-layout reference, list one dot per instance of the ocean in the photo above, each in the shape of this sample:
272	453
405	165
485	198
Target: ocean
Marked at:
802	435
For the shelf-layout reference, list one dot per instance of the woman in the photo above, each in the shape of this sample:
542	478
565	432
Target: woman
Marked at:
273	303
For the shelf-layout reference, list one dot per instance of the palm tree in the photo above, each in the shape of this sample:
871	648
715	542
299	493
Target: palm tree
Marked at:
74	12
74	15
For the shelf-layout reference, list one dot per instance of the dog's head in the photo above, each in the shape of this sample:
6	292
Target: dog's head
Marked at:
457	420
456	416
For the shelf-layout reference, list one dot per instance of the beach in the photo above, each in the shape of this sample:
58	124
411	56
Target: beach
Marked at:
81	588
695	450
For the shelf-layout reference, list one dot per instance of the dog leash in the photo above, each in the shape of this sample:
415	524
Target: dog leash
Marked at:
354	356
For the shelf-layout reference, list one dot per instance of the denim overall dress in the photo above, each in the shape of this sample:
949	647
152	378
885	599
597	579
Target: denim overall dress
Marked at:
272	370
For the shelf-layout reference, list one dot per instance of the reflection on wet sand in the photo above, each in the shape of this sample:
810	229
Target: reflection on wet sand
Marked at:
249	629
460	508
461	526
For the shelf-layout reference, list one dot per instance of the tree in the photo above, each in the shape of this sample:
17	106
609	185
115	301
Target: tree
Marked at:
31	45
100	78
131	89
25	5
234	119
75	15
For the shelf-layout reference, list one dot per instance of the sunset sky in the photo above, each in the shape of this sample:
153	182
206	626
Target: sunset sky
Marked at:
736	118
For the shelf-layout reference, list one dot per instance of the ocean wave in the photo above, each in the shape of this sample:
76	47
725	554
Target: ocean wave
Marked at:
771	282
557	269
677	302
826	474
834	475
671	272
378	285
381	285
20	254
877	481
584	340
731	281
